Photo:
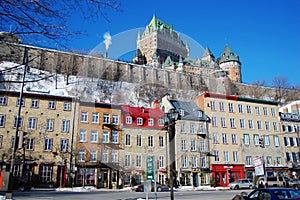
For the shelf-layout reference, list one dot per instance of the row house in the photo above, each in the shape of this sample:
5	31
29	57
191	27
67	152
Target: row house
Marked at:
238	124
143	135
290	128
99	144
45	134
192	154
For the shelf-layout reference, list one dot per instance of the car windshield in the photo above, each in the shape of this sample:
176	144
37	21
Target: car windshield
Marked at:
287	194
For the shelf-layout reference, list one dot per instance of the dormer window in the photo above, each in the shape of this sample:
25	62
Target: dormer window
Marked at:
181	112
139	121
199	113
150	122
128	120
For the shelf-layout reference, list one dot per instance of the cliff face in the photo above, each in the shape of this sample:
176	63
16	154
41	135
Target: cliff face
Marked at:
100	79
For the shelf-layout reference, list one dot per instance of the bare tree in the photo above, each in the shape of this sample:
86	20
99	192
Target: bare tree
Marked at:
258	90
281	84
39	20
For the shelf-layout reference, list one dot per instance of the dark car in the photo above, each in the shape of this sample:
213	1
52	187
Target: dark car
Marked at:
273	194
20	184
159	187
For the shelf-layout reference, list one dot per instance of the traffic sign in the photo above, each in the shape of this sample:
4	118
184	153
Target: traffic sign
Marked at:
150	168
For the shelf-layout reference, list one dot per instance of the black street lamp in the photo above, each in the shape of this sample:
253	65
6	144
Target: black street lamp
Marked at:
169	119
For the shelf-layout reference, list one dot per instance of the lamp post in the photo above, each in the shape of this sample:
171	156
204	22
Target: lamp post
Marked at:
170	119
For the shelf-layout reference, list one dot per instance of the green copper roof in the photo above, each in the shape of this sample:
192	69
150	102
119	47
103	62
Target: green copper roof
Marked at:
168	62
157	23
260	101
228	55
207	52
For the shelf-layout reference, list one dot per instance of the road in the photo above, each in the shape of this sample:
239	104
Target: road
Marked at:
123	195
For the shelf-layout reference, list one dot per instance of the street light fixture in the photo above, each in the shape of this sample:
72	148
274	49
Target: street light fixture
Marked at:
169	119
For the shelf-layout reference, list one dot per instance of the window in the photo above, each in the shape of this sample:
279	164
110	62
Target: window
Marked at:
64	145
279	160
233	137
184	161
161	141
222	107
201	129
249	110
115	137
139	121
212	105
84	117
106	118
246	139
202	146
67	106
95	117
232	123
127	139
128	120
224	138
182	128
257	110
223	122
230	107
115	119
48	144
259	125
214	121
275	126
215	138
51	105
192	128
226	156
138	162
181	112
273	112
240	108
193	145
161	161
286	141
34	103
22	103
104	156
19	122
127	160
49	125
65	125
3	101
32	123
276	141
29	144
82	136
250	122
248	160
150	141
139	140
105	137
93	155
242	123
150	122
81	155
194	162
114	156
266	140
256	139
217	157
267	126
265	111
2	120
160	122
183	145
94	136
235	156
46	173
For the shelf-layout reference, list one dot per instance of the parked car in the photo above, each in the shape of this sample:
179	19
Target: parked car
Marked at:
270	181
20	184
159	187
273	194
241	183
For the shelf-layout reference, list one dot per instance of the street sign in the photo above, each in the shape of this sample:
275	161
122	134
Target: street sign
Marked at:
259	166
150	168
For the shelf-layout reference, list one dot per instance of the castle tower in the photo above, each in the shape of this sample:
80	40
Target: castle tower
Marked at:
230	62
160	38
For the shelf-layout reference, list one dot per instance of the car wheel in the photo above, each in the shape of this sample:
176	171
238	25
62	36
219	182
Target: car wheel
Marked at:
159	189
236	187
141	189
250	187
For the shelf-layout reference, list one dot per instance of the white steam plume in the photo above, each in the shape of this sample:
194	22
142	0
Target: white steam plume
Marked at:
107	40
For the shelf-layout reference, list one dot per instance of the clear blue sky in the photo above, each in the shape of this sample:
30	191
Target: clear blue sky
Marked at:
264	33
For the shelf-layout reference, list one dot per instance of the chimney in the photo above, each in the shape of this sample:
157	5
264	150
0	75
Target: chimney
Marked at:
155	104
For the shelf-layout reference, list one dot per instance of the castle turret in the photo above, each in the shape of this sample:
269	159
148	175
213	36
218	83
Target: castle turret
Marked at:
230	62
